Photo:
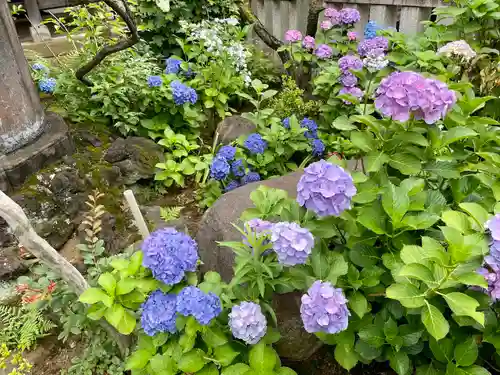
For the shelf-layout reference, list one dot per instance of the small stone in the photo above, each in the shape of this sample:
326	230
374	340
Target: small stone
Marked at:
232	127
11	265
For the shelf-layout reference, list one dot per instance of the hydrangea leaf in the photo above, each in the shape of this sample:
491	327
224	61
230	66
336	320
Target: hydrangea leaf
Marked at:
192	361
346	356
262	357
408	294
466	352
464	305
400	362
434	321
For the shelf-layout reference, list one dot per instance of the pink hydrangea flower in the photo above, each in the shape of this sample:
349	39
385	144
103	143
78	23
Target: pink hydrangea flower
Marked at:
293	36
326	25
309	42
333	14
352	35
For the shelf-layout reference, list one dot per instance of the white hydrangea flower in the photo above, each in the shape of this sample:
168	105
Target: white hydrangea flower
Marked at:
375	60
458	48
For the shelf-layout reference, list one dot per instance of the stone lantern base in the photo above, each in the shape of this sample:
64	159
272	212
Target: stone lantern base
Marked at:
54	143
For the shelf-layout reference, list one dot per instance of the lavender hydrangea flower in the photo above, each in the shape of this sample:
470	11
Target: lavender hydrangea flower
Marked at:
324	309
354	91
38	66
155	81
250	177
292	243
367	45
348	79
324	51
173	65
371	29
293	36
325	189
255	144
247	322
352	35
233	184
183	93
493	225
349	16
219	168
259	226
492	277
404	93
308	42
227	152
326	25
192	301
286	122
318	147
159	313
169	254
333	14
47	85
375	60
350	62
311	126
238	168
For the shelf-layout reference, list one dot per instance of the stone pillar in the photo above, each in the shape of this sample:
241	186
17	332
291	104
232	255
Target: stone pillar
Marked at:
29	138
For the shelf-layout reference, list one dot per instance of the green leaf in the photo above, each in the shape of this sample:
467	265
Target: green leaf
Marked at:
472	278
418	271
409	335
192	361
366	351
395	202
372	217
96	312
407	164
421	220
125	286
464	305
214	337
456	134
373	335
466	352
413	185
442	349
375	160
138	360
163	364
478	213
457	220
475	370
262	357
363	140
285	371
358	304
94	295
430	250
135	263
343	123
108	282
429	369
236	369
443	169
400	362
412	137
346	356
127	324
434	321
459	251
408	294
225	354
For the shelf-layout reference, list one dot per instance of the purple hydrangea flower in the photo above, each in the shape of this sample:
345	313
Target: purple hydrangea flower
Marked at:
192	301
333	14
227	152
402	94
318	147
354	91
326	25
38	66
375	60
293	36
169	254
292	243
312	128
255	144
324	309
250	177
173	65
324	51
308	42
348	79
219	169
371	29
155	81
233	184
493	225
325	189
183	93
159	313
367	45
350	62
348	16
247	322
47	85
352	35
238	168
492	277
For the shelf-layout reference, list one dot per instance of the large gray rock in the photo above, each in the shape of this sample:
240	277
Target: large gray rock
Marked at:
11	265
296	344
232	127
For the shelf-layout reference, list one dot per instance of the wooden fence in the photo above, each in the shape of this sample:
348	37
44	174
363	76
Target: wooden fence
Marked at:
404	15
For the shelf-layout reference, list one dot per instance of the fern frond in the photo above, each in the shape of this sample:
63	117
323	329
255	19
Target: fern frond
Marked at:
170	213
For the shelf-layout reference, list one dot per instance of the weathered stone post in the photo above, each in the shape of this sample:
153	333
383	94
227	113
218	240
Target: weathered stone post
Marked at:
29	138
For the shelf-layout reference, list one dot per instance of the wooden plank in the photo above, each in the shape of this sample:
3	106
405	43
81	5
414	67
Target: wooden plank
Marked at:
51	4
302	10
411	18
293	16
383	15
285	16
405	3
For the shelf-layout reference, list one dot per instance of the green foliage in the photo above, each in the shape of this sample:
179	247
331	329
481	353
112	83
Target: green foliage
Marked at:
19	365
170	213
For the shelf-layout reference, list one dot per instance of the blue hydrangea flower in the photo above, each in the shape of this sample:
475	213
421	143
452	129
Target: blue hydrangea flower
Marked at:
233	184
292	243
318	147
238	168
182	93
227	152
286	123
173	65
169	254
192	301
312	127
158	313
219	169
38	66
371	29
47	85
155	81
250	177
255	144
247	322
189	73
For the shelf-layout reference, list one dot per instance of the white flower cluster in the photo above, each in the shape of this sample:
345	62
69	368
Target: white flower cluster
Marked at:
375	60
218	40
458	48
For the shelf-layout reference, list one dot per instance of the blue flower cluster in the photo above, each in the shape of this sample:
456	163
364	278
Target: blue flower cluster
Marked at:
255	144
318	147
227	152
233	184
219	169
371	29
312	128
183	93
38	66
192	301
169	254
47	85
173	65
155	81
286	123
159	313
238	168
250	177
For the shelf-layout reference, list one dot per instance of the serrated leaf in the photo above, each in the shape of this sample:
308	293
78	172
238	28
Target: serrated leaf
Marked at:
466	352
464	305
478	213
408	294
358	304
421	220
375	160
346	356
372	335
400	362
419	272
395	202
456	134
434	321
407	164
